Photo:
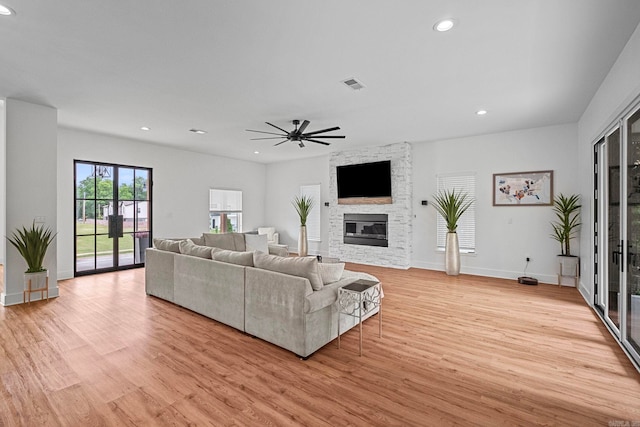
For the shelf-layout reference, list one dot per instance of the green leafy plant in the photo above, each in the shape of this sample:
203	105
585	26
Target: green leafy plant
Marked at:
303	205
32	243
451	205
565	227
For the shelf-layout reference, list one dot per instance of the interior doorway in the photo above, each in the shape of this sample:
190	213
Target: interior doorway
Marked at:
112	226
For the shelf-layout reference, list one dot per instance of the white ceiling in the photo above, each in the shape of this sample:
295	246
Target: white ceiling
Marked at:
228	65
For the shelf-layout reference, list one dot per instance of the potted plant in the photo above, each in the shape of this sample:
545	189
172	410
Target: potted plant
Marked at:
565	227
303	205
451	205
32	243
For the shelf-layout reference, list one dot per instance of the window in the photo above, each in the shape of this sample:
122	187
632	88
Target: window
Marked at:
467	223
225	211
313	221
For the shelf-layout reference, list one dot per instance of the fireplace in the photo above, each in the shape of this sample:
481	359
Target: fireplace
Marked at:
366	229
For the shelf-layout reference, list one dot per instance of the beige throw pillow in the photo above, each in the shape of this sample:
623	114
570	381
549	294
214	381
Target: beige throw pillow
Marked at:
306	267
167	245
187	247
330	271
233	257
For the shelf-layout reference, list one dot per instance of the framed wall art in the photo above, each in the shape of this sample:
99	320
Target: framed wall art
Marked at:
523	188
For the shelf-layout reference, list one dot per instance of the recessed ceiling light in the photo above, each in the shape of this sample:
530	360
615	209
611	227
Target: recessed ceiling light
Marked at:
145	128
198	131
256	152
444	25
6	11
481	112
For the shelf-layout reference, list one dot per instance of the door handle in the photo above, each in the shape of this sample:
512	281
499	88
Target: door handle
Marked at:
116	226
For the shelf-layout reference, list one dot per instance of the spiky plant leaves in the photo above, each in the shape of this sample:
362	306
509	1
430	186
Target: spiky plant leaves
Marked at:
32	243
303	205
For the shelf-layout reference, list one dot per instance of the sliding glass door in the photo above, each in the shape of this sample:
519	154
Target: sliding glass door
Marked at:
631	295
112	224
617	228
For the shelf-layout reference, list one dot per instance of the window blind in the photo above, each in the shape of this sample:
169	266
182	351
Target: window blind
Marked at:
313	220
467	223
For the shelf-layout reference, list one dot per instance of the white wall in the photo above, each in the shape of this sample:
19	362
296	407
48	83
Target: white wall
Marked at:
618	90
181	183
505	235
283	184
31	133
3	212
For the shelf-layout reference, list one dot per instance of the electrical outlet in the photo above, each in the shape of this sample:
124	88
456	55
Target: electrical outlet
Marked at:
528	259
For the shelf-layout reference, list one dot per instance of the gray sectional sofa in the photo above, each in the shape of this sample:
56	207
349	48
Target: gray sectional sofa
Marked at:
287	301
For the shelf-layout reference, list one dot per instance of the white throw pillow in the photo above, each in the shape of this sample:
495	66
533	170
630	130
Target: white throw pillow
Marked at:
330	271
256	242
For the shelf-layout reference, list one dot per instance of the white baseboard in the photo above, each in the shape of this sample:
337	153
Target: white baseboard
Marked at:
14	299
486	272
64	275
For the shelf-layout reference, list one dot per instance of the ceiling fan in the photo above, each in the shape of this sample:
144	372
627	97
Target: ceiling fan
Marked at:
298	135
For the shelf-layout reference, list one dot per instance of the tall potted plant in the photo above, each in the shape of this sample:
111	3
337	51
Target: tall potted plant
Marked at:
32	243
565	227
451	204
303	206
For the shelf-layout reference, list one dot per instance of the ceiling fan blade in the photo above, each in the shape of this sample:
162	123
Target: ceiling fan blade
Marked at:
268	137
271	124
303	126
324	136
281	142
316	141
261	131
321	131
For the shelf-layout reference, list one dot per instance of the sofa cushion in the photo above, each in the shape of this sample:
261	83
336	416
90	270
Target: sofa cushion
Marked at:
233	257
167	245
222	241
229	241
187	247
256	242
306	267
330	271
198	240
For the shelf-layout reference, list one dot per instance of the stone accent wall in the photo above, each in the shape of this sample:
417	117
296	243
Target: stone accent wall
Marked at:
398	254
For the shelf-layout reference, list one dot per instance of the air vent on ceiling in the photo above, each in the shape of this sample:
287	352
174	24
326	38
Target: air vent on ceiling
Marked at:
353	83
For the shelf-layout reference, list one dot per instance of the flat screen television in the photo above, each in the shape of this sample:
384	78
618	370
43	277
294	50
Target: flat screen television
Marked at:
364	183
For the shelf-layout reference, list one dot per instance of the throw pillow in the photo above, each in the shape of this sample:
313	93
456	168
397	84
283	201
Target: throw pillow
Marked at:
256	242
233	257
222	241
306	267
167	245
330	272
187	247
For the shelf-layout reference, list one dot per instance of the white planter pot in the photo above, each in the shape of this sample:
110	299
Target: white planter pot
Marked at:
35	280
302	241
452	255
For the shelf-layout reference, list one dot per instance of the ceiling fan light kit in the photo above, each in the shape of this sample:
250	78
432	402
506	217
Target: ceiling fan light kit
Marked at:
298	135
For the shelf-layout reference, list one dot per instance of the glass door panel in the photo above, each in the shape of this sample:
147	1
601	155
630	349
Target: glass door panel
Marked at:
611	286
112	216
632	295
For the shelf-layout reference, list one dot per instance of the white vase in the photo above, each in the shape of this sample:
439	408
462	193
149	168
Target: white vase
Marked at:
302	241
452	255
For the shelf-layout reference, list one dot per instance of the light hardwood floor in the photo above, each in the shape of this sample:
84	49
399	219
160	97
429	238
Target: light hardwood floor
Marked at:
455	351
